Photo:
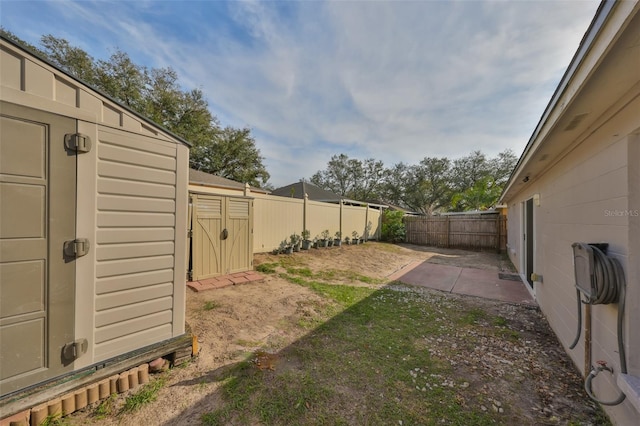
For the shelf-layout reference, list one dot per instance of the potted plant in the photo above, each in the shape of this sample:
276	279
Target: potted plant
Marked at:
324	238
285	247
355	238
316	242
347	240
337	240
295	241
306	242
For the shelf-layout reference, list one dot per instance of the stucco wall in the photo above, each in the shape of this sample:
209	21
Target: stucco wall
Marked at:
590	195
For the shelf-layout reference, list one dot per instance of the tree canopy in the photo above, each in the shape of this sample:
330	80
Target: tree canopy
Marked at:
472	182
156	93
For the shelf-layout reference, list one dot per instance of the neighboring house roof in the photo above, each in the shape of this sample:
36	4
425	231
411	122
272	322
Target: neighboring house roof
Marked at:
602	75
196	177
315	193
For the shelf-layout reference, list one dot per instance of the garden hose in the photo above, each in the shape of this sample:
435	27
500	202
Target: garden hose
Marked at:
609	285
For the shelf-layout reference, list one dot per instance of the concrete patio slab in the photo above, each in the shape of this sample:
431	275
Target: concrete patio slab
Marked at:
468	281
438	277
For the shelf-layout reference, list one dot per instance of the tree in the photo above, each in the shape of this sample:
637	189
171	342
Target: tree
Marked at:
478	181
336	177
351	178
393	187
72	59
428	187
473	182
232	154
124	80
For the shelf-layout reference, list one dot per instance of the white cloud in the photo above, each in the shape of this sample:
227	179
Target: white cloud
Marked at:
392	80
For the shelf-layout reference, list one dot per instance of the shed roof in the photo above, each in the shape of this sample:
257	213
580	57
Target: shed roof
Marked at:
197	177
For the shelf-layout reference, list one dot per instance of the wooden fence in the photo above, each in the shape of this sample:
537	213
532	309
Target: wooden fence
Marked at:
474	232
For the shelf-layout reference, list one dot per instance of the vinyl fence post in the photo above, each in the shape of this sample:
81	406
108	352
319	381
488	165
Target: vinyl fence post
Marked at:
304	211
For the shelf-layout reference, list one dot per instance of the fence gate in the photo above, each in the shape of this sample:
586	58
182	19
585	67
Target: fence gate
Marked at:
222	235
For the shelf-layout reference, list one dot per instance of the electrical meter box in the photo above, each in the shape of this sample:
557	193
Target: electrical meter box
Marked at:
583	267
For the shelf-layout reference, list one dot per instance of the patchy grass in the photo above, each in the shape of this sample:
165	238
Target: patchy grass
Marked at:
106	408
147	394
267	268
54	421
210	305
364	357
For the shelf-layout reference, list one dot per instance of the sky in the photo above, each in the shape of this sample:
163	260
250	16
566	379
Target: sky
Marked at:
396	81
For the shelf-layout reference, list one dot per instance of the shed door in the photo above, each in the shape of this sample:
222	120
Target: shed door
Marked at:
221	241
37	215
207	240
238	250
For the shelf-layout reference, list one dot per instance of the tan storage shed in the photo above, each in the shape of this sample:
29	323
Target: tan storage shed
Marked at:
93	205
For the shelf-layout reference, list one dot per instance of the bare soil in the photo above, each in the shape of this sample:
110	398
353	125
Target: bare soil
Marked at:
233	323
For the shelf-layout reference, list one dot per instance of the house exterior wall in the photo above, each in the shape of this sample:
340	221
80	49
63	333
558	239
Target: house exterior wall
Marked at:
132	206
590	194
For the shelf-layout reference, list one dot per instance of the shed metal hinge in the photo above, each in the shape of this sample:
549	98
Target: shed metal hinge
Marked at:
77	142
73	350
77	248
189	233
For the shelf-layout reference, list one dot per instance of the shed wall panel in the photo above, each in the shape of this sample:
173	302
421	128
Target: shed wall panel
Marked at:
11	75
123	313
120	345
135	238
132	281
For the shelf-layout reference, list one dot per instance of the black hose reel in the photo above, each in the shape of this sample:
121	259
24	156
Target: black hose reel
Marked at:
600	280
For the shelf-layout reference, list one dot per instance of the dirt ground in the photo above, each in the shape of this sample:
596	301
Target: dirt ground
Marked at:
233	322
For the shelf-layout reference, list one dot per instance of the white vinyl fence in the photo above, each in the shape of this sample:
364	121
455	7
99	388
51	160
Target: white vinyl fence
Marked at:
276	218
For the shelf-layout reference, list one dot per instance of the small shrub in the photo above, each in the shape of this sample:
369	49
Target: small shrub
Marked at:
393	229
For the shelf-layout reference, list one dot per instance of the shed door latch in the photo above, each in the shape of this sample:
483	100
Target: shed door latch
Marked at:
75	349
76	248
77	142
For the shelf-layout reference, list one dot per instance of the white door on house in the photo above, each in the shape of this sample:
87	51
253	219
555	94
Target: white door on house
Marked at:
528	241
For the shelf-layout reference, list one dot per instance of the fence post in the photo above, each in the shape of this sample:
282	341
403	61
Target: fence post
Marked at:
341	213
498	236
304	212
366	223
447	221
